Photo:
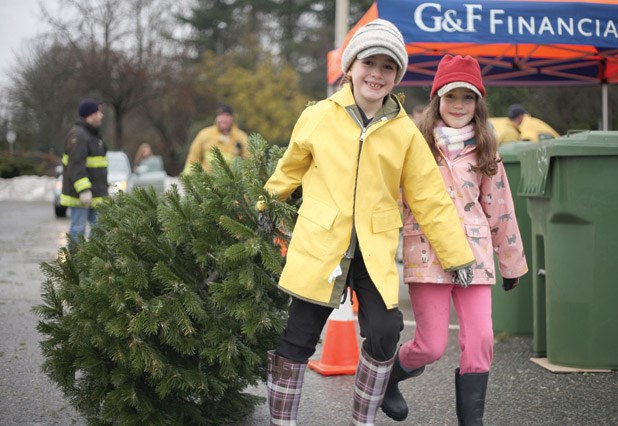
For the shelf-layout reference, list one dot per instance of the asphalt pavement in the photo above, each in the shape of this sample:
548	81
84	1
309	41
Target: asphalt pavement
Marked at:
520	392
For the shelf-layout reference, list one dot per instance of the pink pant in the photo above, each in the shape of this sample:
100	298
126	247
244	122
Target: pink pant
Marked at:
431	305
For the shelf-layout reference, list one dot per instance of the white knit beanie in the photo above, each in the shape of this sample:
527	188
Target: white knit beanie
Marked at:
377	37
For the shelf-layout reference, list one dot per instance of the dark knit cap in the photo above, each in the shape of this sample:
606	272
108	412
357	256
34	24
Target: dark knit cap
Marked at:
224	109
516	110
87	107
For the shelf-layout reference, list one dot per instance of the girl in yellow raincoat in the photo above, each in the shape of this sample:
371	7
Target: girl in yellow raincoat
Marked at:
351	153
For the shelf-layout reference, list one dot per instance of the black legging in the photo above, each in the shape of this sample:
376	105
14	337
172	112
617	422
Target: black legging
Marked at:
379	326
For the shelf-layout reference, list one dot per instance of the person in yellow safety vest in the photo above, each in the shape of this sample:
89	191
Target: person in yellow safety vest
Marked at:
224	134
512	130
84	177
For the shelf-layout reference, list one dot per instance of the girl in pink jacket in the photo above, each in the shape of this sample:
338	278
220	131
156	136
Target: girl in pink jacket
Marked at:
456	128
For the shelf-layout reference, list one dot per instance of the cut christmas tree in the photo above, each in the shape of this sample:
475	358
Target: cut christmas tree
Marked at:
165	314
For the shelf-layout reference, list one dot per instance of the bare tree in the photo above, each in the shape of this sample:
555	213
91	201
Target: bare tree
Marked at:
38	97
119	49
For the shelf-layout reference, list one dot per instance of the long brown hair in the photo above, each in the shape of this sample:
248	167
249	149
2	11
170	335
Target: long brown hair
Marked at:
486	144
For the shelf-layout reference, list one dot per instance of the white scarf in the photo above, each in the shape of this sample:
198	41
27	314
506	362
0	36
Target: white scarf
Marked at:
451	140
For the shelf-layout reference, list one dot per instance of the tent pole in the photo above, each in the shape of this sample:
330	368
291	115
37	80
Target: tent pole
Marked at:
605	97
341	21
342	11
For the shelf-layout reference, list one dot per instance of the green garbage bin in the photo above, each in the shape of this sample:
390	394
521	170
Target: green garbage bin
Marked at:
571	186
512	310
538	210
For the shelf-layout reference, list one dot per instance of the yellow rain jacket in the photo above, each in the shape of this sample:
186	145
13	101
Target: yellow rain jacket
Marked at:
351	175
231	146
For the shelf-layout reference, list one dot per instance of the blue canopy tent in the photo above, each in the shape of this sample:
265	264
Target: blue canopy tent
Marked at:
517	42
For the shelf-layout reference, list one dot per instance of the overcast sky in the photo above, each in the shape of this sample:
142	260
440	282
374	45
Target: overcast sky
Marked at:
18	22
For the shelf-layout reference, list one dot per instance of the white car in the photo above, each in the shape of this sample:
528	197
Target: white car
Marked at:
118	172
150	172
118	176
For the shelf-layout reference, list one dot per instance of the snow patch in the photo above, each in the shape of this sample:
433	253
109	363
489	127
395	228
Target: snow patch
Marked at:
39	188
27	188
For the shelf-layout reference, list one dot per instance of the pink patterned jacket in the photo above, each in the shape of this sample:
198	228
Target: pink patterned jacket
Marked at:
486	209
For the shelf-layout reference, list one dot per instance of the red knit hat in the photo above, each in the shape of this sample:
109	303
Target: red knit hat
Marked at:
458	71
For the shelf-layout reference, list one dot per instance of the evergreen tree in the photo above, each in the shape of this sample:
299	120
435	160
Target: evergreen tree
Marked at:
164	316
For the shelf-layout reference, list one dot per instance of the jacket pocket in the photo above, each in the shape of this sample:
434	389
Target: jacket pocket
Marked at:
476	233
313	234
417	251
318	212
386	220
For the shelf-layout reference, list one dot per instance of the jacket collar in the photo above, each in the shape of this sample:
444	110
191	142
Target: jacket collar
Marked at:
94	130
233	130
390	109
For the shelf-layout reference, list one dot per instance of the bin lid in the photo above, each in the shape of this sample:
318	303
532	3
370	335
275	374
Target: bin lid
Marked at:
510	151
536	159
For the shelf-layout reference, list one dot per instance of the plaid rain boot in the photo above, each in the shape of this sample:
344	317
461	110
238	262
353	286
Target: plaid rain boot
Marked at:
470	390
285	382
369	387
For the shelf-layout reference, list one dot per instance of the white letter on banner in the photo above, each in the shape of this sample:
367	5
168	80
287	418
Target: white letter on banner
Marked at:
470	8
418	18
565	27
529	25
580	26
493	20
610	29
451	23
546	26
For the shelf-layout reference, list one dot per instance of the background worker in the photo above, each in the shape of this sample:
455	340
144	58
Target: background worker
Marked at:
417	113
224	134
512	130
143	151
84	177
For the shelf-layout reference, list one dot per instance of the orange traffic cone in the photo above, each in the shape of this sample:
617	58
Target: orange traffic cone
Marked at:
354	303
340	350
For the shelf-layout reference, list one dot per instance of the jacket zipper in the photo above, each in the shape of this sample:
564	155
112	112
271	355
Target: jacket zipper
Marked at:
360	148
361	139
353	240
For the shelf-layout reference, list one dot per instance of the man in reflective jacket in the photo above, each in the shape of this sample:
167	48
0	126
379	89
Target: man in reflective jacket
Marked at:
84	181
224	134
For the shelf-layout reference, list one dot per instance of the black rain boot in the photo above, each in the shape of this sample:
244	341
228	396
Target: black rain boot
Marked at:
394	404
470	390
